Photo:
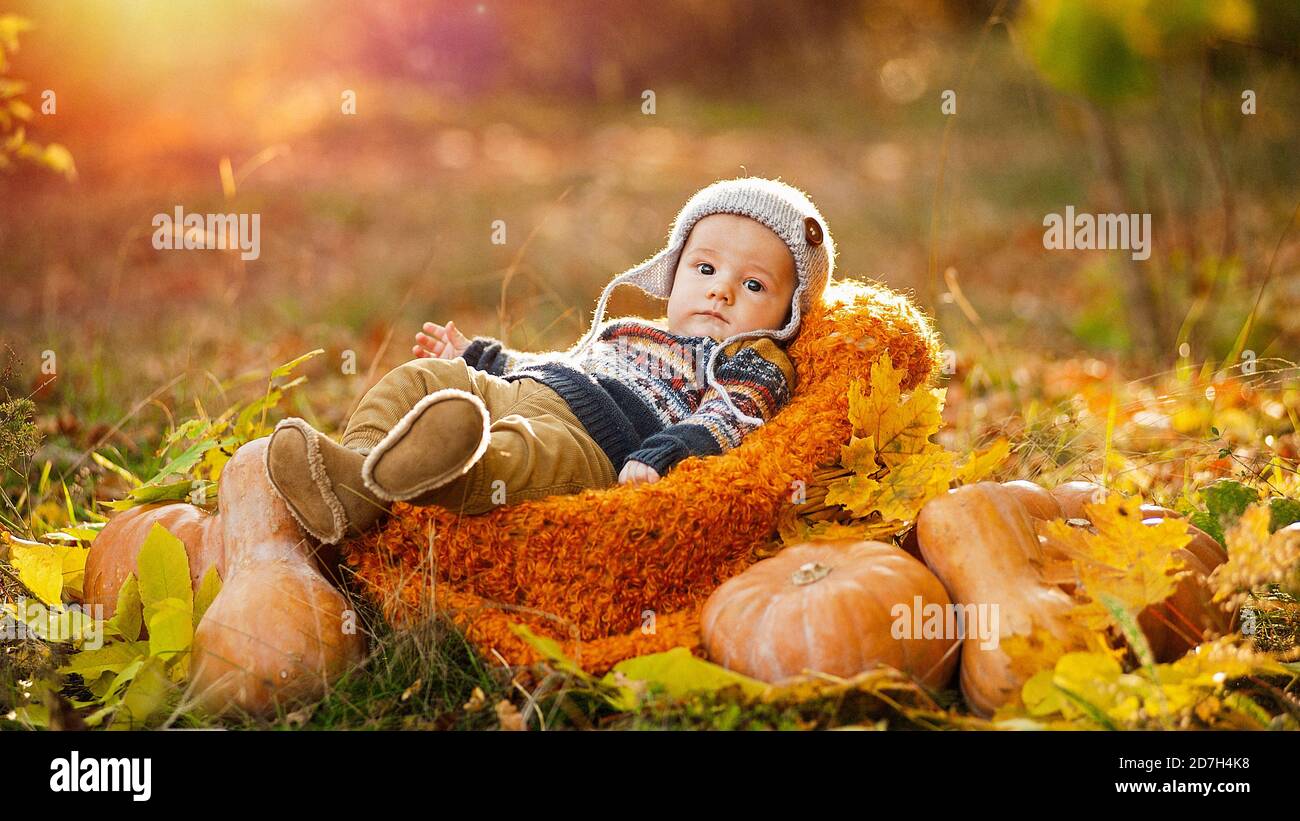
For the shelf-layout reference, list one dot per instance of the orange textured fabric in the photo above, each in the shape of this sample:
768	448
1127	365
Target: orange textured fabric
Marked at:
623	571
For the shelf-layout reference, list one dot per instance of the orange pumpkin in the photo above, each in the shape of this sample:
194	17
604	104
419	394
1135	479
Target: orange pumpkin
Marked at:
113	553
829	606
979	540
1038	501
1072	496
1190	615
278	633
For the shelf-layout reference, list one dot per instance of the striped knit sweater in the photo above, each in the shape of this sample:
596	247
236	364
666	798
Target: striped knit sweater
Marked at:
641	391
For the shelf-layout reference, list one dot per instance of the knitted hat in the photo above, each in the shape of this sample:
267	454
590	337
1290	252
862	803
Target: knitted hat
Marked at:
784	209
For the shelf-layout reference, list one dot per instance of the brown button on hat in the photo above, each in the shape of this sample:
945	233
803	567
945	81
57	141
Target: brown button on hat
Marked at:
812	231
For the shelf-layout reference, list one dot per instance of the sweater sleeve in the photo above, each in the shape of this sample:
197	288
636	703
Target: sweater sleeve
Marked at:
760	379
488	354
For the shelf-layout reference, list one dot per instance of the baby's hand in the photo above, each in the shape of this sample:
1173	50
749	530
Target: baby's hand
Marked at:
634	473
441	342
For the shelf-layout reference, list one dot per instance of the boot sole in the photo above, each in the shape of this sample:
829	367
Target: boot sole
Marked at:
399	431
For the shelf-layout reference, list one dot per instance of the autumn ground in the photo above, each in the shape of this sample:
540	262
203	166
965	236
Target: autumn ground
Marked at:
376	223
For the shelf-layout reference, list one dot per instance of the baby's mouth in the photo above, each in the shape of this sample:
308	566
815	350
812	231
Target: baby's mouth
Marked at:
712	315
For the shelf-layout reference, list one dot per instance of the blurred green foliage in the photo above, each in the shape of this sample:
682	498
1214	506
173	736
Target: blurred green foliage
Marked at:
1107	50
14	112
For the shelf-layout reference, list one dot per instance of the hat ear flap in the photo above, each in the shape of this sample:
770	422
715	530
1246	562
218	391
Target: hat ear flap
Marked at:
671	261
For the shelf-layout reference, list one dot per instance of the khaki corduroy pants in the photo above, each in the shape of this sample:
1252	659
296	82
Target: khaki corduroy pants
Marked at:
538	448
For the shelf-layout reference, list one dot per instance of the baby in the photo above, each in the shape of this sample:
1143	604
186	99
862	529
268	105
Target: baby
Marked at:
470	424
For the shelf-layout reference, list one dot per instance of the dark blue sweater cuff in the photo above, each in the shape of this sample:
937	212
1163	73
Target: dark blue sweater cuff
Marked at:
486	354
665	449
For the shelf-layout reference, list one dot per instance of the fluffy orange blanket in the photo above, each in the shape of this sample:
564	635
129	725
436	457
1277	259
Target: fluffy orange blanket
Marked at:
623	571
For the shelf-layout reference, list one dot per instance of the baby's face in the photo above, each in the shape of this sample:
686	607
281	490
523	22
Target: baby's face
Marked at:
734	266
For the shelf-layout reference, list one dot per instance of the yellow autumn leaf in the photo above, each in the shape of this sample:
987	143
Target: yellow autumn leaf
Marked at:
1031	653
1097	681
40	568
905	489
171	627
209	587
128	618
1093	685
896	468
679	672
1125	559
1041	696
856	493
212	464
984	462
1255	556
51	514
863	406
899	428
1219	661
865	409
859	455
164	569
1091	614
73	566
144	696
900	493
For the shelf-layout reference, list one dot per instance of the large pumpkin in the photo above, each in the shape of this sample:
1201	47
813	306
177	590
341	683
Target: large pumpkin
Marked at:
987	543
980	540
278	633
1190	615
829	607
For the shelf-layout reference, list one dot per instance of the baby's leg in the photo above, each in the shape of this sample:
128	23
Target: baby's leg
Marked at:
321	480
396	393
536	448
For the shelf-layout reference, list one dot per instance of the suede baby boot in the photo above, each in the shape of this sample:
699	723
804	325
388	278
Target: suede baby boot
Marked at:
439	439
320	481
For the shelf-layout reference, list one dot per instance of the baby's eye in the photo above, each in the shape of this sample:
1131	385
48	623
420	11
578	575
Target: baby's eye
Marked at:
760	285
704	268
